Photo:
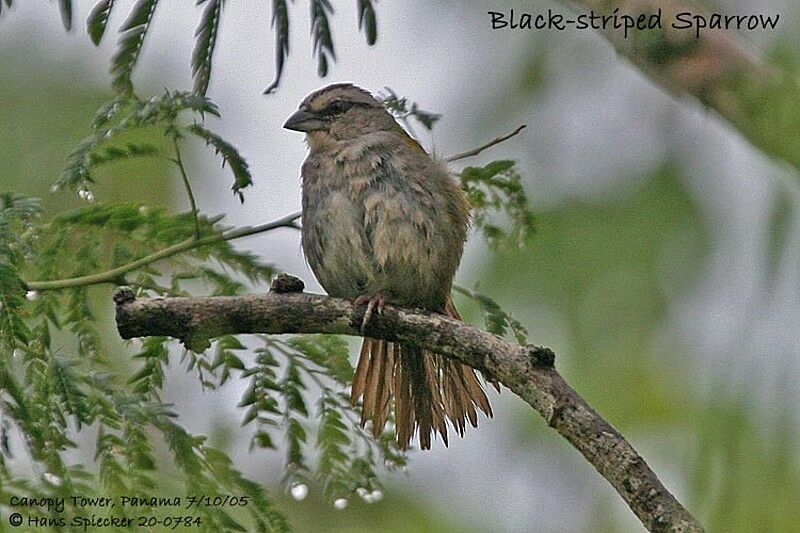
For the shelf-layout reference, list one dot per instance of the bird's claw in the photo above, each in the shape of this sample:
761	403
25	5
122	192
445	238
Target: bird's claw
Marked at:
374	305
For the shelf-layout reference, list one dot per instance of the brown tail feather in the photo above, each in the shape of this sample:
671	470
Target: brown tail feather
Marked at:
451	311
387	393
427	389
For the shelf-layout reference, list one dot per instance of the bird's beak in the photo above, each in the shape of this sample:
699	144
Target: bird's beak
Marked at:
303	120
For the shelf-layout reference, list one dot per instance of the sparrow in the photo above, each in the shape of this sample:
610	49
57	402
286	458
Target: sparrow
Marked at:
384	222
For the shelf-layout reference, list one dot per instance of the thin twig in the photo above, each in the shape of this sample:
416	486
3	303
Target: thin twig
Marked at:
179	162
479	149
527	370
115	274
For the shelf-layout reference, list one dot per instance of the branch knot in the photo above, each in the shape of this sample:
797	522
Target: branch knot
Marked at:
123	295
541	356
286	283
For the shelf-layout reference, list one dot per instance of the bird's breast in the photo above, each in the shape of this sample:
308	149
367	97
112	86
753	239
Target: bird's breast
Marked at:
375	223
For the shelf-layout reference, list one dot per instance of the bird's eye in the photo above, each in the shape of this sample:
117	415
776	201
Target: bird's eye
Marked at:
337	107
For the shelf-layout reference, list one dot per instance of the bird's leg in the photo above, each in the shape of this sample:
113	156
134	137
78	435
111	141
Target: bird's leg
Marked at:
374	304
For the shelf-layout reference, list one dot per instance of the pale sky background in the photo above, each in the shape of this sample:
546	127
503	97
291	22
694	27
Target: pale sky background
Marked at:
596	126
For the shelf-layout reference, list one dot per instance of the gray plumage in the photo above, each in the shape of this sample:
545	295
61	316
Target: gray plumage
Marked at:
385	221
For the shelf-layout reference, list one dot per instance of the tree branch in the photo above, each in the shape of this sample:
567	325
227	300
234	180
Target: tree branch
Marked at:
759	100
479	149
115	274
527	370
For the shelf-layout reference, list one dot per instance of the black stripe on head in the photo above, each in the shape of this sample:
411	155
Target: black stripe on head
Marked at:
337	98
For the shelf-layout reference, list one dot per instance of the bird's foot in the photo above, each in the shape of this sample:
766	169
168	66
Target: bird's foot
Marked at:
374	305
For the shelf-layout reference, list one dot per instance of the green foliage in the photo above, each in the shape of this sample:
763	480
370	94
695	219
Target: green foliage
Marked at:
329	352
403	110
66	394
321	34
133	31
66	13
114	154
314	366
367	21
98	20
205	42
150	377
497	320
498	186
280	23
237	164
123	115
12	298
18	215
135	28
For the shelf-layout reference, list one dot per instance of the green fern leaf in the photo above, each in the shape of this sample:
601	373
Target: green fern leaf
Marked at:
367	21
205	42
327	351
12	298
66	13
98	20
498	187
128	114
280	22
230	155
113	154
400	108
133	31
321	34
497	320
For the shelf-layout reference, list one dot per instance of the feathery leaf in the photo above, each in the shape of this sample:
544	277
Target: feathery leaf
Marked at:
401	109
129	114
66	13
497	320
230	155
367	21
321	34
280	22
17	214
98	20
205	42
113	154
498	187
133	31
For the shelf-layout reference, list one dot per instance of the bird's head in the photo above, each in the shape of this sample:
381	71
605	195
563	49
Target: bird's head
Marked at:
340	112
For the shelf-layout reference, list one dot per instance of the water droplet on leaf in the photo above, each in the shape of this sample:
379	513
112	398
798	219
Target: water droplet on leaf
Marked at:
340	503
299	491
52	479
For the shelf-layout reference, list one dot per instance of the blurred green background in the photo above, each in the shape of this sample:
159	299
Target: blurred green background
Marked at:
664	272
